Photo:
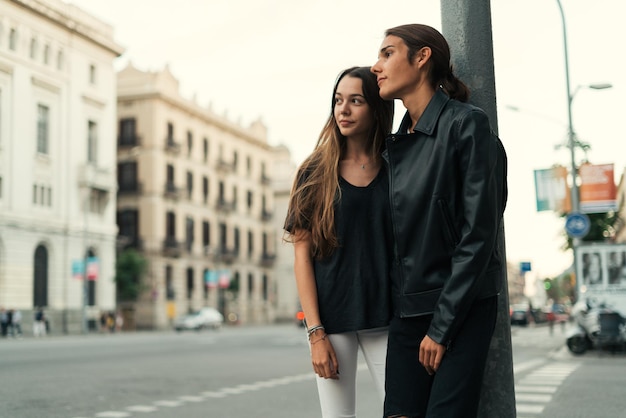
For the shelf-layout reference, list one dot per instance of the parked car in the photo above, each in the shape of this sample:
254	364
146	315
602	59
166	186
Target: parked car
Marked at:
204	318
520	314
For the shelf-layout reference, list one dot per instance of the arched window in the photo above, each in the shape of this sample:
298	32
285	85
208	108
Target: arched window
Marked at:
40	279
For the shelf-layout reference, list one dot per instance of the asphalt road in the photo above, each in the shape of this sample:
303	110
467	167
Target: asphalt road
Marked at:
258	372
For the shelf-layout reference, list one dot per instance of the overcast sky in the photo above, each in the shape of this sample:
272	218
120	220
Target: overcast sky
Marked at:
278	59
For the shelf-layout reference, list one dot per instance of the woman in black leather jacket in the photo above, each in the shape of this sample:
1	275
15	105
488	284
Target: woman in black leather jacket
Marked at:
447	174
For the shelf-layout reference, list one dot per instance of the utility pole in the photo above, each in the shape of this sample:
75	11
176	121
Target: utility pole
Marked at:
466	24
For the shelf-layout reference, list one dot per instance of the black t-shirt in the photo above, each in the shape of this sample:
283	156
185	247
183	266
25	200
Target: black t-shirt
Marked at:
353	285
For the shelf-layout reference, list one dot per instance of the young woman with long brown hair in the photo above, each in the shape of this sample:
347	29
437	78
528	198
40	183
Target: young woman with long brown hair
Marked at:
339	222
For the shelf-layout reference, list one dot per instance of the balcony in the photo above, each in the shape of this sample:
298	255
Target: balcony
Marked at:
125	189
172	146
125	242
267	260
128	141
226	255
225	206
99	178
224	166
171	191
266	215
265	180
171	247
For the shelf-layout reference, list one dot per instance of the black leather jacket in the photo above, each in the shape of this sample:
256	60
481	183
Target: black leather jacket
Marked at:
448	192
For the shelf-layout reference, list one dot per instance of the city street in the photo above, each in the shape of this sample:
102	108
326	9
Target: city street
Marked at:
259	371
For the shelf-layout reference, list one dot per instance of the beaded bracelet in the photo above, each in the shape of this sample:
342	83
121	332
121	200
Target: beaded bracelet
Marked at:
323	337
311	331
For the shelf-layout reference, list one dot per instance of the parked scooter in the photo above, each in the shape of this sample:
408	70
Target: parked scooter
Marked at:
597	326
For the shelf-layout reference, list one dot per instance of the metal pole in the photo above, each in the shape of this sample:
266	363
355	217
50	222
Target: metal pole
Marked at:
571	137
466	24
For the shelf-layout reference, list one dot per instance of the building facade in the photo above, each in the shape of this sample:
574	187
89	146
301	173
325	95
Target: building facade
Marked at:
196	200
57	162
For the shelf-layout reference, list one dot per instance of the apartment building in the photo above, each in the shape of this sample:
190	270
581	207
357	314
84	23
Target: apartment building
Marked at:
196	200
57	162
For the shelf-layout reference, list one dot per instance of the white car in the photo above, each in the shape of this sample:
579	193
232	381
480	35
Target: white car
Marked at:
204	318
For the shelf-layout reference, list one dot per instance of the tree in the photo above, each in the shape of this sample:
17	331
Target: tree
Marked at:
129	269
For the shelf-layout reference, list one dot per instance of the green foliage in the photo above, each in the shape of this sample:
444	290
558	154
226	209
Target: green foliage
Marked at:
129	269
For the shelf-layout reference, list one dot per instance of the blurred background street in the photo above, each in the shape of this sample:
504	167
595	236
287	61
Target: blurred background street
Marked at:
260	371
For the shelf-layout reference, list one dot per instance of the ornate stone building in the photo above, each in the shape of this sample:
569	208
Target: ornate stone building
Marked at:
196	199
57	162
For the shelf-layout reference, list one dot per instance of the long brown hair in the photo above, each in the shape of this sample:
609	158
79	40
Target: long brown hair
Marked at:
316	187
440	73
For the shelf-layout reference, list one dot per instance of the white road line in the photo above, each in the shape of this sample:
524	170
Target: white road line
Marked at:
533	398
522	367
142	408
530	409
213	394
191	398
170	404
112	414
535	389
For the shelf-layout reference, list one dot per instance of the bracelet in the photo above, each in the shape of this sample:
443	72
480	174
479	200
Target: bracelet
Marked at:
311	331
323	337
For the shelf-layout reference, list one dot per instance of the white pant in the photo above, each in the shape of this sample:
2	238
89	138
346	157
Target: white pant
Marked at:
338	397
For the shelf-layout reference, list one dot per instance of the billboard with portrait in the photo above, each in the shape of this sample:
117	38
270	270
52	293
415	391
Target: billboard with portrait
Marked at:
601	273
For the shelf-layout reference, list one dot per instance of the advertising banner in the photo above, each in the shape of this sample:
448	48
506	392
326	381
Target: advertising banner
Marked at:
210	279
597	188
552	191
601	270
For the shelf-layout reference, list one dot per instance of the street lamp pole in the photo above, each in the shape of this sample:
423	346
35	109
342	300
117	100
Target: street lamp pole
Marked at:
575	201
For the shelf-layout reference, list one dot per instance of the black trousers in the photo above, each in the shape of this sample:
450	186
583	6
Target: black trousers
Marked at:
454	390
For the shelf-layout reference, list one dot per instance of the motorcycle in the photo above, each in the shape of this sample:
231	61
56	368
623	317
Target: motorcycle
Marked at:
597	327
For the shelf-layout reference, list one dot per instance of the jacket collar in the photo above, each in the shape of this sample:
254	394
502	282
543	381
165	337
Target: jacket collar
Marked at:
427	122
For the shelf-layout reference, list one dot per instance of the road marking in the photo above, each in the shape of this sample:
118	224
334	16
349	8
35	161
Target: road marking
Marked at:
169	404
142	408
113	414
191	398
535	390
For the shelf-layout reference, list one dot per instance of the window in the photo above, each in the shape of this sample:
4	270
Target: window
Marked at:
189	283
170	174
248	166
223	237
128	134
236	240
189	143
205	288
205	146
43	115
92	74
189	184
128	224
92	142
13	39
235	193
33	48
170	225
205	189
206	234
170	133
235	159
250	199
250	244
170	293
35	194
60	60
250	285
189	224
127	176
265	287
221	191
46	54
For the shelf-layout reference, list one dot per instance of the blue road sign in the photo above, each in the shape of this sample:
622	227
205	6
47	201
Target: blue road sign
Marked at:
577	225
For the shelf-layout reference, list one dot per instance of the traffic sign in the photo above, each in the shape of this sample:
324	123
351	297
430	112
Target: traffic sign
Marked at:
577	225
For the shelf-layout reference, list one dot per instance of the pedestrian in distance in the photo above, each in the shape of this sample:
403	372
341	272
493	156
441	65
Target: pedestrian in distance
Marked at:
447	173
39	323
17	323
4	322
339	222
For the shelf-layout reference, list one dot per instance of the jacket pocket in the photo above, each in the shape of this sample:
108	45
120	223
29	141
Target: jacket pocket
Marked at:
448	226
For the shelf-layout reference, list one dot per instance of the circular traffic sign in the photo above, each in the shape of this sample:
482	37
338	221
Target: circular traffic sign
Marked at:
577	225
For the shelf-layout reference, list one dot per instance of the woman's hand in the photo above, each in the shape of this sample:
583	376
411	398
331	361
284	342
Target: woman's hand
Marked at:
430	354
323	357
